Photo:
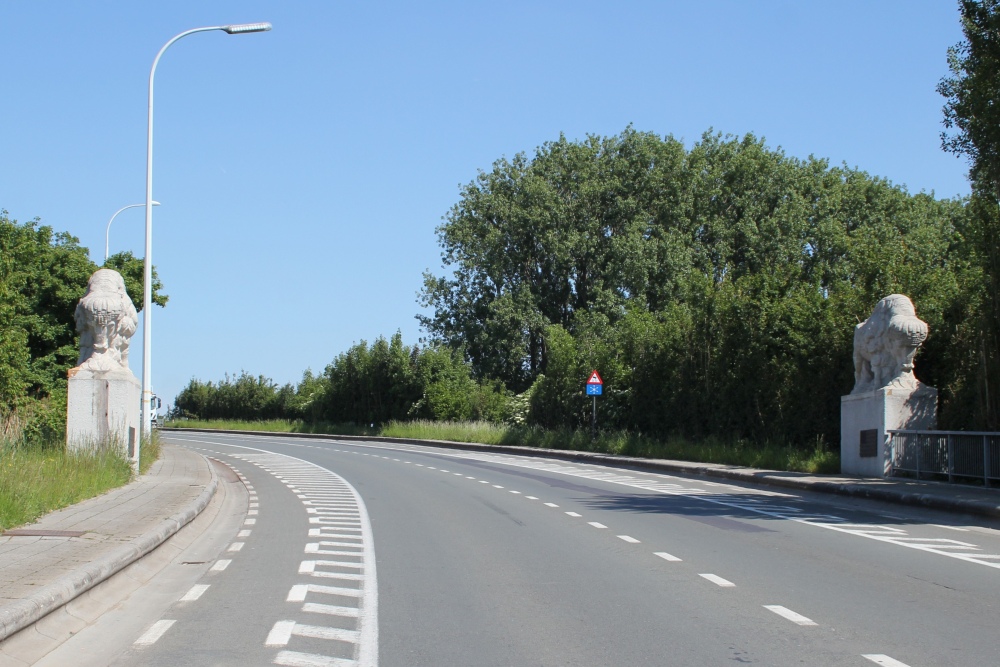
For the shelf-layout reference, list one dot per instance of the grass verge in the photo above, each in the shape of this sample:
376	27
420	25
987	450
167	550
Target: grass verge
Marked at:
769	456
34	481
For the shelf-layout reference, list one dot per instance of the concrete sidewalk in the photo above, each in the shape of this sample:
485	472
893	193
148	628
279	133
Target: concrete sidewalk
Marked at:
962	498
47	564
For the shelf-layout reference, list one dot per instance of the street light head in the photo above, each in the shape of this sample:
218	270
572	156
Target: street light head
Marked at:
246	27
155	203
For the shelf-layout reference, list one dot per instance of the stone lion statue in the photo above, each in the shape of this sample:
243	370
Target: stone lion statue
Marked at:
884	346
106	320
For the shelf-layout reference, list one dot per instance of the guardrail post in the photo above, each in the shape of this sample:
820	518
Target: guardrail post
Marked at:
951	458
987	464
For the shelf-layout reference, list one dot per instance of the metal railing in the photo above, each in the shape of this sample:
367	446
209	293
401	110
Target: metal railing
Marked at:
951	454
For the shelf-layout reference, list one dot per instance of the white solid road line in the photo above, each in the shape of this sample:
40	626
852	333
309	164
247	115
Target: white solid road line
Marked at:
715	579
296	659
630	540
785	612
884	660
155	632
194	593
665	556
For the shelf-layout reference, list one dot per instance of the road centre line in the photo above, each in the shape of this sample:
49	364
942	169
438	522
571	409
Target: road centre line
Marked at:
787	613
715	579
884	660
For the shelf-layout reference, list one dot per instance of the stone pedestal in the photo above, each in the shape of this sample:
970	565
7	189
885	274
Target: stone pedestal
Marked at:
865	417
103	410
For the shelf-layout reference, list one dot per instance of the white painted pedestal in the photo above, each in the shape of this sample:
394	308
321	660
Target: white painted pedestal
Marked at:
103	410
865	418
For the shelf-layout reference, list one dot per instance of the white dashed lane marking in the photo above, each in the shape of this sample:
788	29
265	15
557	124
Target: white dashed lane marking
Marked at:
717	580
195	593
785	612
630	540
665	556
220	565
884	660
155	631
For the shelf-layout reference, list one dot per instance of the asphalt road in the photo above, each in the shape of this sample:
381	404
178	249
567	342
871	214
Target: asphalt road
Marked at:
401	555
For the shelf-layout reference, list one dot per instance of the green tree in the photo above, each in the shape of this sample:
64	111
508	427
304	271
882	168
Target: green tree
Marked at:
43	274
715	288
972	115
132	270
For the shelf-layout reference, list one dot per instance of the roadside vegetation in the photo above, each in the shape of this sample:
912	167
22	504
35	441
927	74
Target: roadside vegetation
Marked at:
38	476
819	459
43	274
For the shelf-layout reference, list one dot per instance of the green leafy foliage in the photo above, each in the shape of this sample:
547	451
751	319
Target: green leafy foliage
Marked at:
716	288
43	274
972	113
368	384
132	270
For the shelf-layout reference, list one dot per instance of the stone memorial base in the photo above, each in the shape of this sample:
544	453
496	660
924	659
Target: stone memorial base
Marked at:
103	410
865	418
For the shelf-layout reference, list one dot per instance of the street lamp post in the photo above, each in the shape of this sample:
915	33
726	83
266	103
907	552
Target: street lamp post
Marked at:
107	232
147	289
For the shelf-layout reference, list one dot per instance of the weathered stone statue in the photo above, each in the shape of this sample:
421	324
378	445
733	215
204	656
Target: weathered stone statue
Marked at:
886	395
885	343
104	395
106	320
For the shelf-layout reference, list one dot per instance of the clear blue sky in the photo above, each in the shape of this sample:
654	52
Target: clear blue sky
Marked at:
302	171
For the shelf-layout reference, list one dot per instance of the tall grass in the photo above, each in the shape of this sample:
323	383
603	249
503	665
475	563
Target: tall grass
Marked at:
38	475
816	458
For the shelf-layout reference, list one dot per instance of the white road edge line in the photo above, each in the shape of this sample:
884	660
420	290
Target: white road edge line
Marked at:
787	613
155	631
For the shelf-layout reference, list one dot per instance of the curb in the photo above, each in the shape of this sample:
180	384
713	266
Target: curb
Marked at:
768	478
19	615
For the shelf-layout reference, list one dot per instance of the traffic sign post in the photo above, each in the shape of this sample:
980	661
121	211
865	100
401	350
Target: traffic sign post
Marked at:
595	387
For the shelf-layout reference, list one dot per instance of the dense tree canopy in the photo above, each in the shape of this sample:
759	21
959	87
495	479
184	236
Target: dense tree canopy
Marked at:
43	274
716	288
972	115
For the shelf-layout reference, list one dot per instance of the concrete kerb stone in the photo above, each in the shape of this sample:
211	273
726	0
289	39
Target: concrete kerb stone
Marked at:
735	473
16	616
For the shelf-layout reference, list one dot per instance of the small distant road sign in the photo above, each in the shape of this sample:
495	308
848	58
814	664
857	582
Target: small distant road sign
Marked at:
595	386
